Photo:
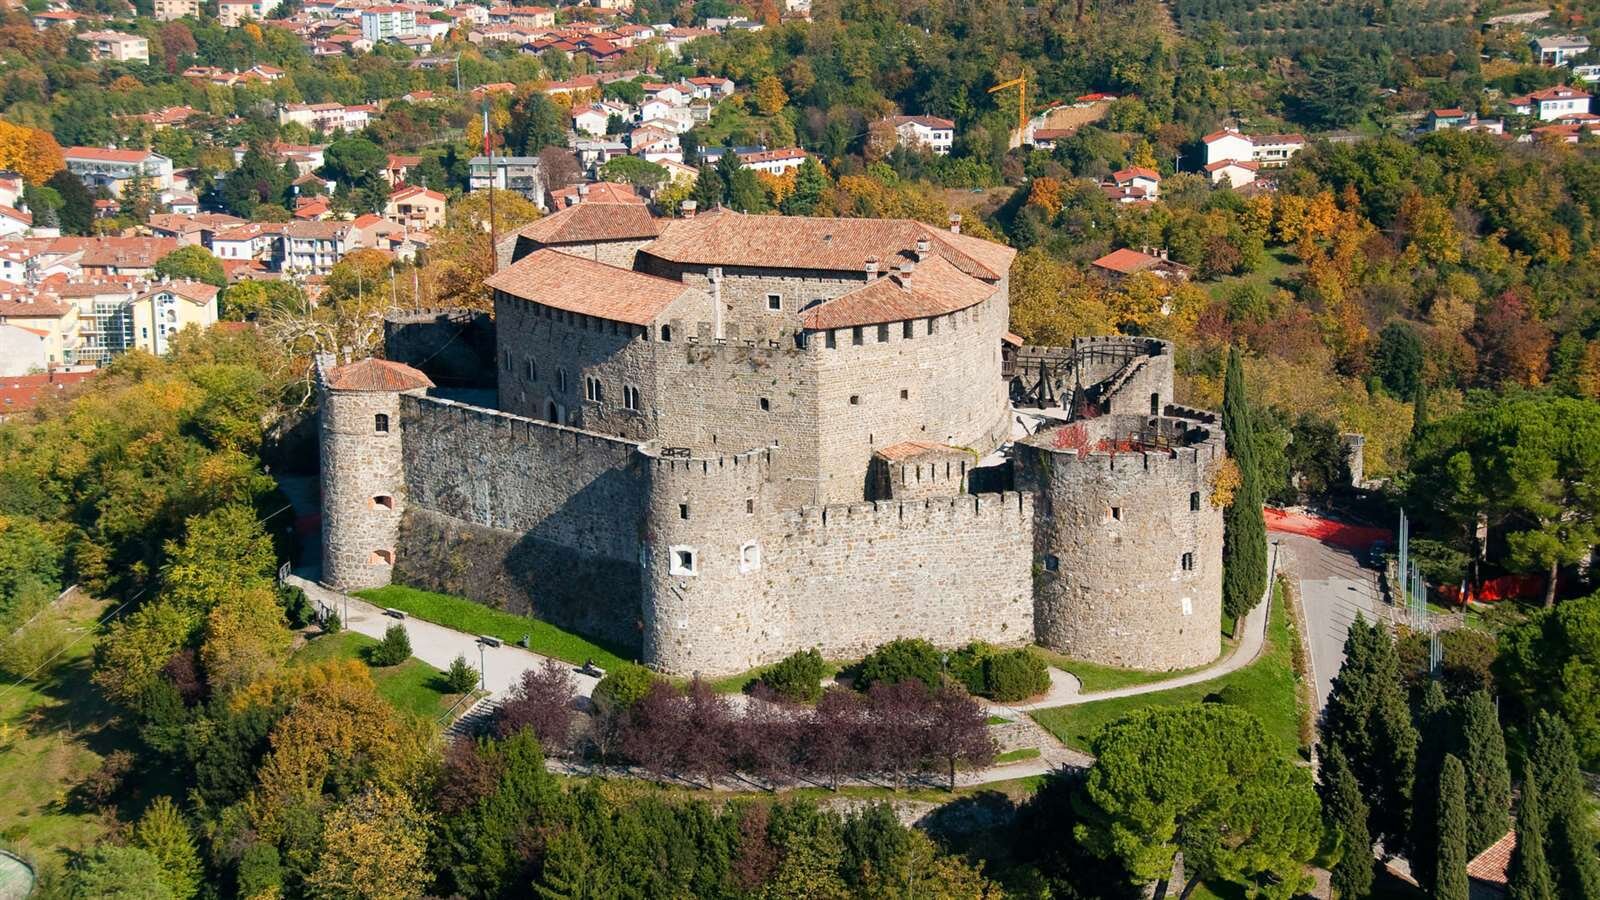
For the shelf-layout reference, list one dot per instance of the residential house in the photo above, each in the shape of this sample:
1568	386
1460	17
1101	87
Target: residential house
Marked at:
23	349
522	174
398	170
924	132
158	314
55	324
21	393
314	248
593	192
167	10
774	162
1270	150
233	13
56	18
1237	173
712	87
14	222
256	241
113	169
116	46
1559	50
111	257
415	207
1446	119
594	118
1122	263
1551	103
195	229
383	23
1137	183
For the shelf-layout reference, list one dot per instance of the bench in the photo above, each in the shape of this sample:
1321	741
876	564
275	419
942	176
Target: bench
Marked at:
394	613
488	640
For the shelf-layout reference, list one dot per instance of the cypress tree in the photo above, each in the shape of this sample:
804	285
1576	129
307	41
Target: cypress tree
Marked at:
1569	847
1346	816
1528	876
1419	408
708	189
569	868
1436	737
1244	534
1450	868
1368	719
1483	746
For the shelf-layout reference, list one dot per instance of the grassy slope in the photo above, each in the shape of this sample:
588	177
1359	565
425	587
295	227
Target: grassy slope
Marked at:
412	687
462	614
1265	687
1095	677
53	733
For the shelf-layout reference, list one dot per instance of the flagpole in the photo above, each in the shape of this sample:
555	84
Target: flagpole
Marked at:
488	150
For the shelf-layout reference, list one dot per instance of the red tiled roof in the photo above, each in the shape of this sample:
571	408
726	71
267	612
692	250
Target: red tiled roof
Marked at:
1241	163
934	288
912	449
1133	172
1126	261
16	309
1490	866
104	155
594	220
724	237
1559	92
924	121
19	393
555	279
376	375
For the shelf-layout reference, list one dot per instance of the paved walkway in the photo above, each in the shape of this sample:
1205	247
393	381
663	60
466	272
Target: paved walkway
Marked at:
1334	587
437	645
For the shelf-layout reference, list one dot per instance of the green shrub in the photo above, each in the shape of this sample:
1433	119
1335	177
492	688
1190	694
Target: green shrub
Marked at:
904	659
623	686
332	625
797	677
296	606
394	649
462	677
1012	675
967	667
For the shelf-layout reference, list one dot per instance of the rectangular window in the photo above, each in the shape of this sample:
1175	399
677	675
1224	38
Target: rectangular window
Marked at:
905	394
906	328
592	390
1194	501
380	423
1116	514
1188	562
765	404
833	339
533	371
683	510
883	334
750	506
775	302
630	398
856	336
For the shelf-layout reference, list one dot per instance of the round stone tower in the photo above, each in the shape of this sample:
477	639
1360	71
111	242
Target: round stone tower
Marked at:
704	536
363	470
1127	543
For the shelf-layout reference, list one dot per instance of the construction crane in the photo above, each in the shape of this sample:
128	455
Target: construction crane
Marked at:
1021	84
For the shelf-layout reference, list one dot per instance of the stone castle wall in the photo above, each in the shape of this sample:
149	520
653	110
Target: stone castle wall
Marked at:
1128	548
363	487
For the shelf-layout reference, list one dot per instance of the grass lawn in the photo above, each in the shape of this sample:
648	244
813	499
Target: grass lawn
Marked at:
1017	755
462	614
1265	687
53	733
735	684
1095	677
1277	267
412	687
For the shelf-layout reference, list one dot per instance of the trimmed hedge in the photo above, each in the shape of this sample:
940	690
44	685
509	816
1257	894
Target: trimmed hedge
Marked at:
797	677
1012	675
624	686
983	669
903	659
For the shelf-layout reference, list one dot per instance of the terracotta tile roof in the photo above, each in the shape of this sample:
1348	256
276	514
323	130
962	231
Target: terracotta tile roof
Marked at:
724	237
43	309
19	393
1126	261
1490	865
934	288
194	291
1559	92
376	375
593	220
1241	163
1133	172
911	449
598	192
103	155
555	279
138	253
924	121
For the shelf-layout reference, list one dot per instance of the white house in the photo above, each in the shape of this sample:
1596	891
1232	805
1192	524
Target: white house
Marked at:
116	46
111	169
382	23
1237	173
773	162
1558	50
1270	150
1140	179
927	132
1552	103
1227	144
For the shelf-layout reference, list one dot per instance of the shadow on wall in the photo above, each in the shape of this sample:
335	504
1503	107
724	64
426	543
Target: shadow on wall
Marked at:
455	348
524	574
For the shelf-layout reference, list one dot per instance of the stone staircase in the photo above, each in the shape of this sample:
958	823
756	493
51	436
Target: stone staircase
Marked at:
476	721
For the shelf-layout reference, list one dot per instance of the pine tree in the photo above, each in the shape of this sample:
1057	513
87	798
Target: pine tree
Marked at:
1346	816
1244	535
1450	869
809	183
1569	847
708	188
1368	719
568	870
1529	876
1437	736
163	834
1488	776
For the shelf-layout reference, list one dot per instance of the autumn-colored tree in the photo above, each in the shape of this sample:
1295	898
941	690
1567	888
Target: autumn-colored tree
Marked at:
1045	193
460	261
373	848
30	152
770	97
163	834
246	638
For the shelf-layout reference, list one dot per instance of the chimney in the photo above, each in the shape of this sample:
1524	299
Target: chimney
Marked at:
923	246
1163	253
955	223
688	207
872	268
905	270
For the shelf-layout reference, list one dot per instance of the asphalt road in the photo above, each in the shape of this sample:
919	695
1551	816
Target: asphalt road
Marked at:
1334	588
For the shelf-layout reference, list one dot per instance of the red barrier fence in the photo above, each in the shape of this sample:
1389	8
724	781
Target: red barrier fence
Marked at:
1328	531
1506	587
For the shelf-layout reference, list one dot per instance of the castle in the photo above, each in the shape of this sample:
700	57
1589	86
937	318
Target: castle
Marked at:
723	438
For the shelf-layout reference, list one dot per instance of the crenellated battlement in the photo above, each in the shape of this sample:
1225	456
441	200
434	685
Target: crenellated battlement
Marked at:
681	461
970	508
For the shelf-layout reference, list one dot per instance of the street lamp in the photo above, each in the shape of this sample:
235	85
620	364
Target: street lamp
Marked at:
483	673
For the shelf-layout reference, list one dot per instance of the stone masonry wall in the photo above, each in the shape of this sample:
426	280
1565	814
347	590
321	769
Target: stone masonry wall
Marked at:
1128	551
528	515
363	487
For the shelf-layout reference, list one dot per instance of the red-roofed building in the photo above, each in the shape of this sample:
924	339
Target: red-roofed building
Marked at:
1123	262
20	393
